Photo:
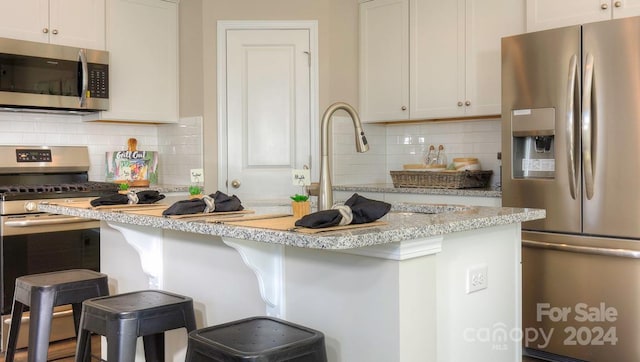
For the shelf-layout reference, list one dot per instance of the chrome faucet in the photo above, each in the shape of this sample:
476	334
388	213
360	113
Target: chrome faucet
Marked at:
325	194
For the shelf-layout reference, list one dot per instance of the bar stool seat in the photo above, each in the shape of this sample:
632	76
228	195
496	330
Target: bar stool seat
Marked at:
256	339
41	293
122	318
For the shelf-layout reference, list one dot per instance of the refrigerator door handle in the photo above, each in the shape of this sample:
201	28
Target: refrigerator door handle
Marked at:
587	127
570	124
620	253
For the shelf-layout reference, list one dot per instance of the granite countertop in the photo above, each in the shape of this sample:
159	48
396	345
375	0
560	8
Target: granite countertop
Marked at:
388	188
406	221
163	188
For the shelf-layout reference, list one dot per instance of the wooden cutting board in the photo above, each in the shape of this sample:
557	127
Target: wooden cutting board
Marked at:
158	212
287	223
86	204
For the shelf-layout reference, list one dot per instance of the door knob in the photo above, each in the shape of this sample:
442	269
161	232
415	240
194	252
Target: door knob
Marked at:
617	4
235	184
460	103
604	6
467	103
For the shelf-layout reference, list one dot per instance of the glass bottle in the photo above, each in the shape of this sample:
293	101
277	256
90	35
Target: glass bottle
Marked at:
441	157
430	156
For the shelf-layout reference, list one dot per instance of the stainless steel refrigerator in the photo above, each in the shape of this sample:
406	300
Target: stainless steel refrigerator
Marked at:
571	145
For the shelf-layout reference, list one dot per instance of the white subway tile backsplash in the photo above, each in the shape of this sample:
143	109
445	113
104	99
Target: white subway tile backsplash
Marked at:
406	143
69	130
181	145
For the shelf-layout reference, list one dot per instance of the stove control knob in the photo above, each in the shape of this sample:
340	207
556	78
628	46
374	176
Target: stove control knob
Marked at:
30	206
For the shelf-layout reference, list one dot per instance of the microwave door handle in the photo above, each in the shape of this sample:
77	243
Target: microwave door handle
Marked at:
570	124
587	127
85	77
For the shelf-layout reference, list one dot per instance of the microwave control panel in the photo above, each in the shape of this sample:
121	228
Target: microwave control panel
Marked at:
98	81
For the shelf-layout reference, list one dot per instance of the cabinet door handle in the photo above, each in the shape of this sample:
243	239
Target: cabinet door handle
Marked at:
54	32
460	104
617	4
467	103
604	6
45	30
404	108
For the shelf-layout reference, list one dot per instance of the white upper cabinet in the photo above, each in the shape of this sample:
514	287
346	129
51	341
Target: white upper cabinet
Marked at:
453	57
437	59
384	60
486	23
548	14
78	23
142	40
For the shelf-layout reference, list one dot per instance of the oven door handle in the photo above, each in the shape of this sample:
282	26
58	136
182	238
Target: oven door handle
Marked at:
56	314
48	221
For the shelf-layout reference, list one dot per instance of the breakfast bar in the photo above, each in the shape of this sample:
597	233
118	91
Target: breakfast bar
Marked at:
417	286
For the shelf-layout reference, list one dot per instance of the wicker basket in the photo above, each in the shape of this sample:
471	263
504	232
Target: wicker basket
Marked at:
441	180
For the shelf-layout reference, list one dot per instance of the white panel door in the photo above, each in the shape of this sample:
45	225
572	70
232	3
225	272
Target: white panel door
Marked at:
268	114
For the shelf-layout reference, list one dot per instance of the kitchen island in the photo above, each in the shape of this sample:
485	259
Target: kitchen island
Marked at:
434	283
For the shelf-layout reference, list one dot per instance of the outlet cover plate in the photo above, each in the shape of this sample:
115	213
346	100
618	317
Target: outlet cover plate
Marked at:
477	278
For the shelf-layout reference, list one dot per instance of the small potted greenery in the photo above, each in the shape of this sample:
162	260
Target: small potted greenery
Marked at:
195	191
300	205
123	188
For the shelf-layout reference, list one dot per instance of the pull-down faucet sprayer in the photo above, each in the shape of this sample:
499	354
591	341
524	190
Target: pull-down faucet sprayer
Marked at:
325	194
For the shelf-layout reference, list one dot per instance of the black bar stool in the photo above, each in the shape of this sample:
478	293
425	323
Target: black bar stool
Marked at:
42	292
122	318
256	339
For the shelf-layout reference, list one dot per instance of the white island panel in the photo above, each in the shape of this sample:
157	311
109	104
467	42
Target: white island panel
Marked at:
369	308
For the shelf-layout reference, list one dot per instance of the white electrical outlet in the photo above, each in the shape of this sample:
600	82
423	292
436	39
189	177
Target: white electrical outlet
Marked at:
477	278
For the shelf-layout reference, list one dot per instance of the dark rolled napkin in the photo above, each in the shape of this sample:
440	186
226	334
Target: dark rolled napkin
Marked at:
320	219
149	196
140	197
366	210
362	210
225	202
115	199
186	207
221	202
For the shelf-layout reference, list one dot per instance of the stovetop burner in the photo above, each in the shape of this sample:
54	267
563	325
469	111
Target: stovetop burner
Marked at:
81	187
47	191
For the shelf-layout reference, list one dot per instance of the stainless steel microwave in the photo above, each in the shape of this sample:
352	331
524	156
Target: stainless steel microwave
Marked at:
48	77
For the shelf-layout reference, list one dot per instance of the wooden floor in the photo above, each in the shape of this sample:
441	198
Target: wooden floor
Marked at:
62	351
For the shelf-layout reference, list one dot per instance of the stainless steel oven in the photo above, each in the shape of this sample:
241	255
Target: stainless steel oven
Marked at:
35	242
